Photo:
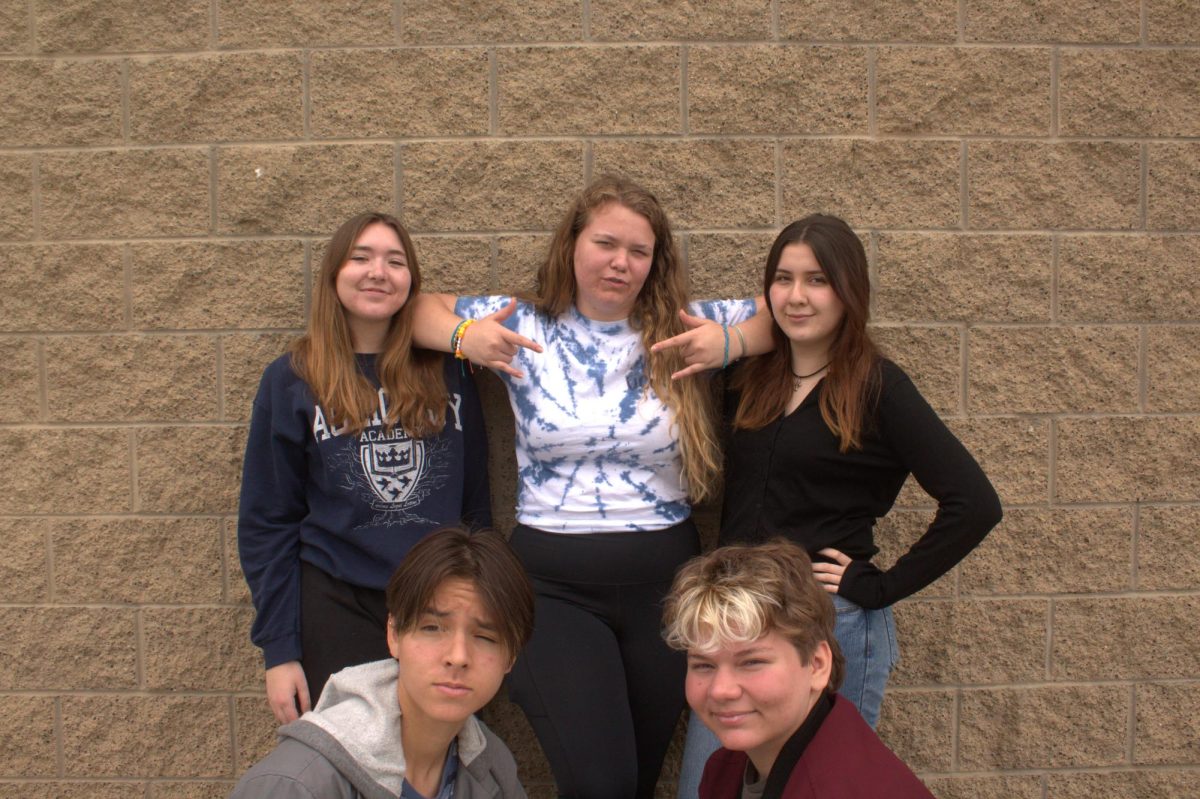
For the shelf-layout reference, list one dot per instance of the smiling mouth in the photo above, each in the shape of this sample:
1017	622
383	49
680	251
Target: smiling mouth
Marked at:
453	688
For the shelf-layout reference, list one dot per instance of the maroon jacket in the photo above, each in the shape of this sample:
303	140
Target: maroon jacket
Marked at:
844	760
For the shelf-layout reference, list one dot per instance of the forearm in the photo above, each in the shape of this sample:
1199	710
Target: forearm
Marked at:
756	335
434	321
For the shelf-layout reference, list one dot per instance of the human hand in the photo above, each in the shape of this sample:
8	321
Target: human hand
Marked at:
830	574
702	346
489	343
287	687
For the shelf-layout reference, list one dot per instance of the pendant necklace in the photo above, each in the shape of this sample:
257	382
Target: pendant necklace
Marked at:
798	379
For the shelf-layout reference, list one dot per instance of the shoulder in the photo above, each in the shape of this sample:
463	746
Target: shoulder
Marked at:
726	312
723	774
292	770
846	745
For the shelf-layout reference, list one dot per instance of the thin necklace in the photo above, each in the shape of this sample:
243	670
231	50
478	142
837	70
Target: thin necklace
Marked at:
798	379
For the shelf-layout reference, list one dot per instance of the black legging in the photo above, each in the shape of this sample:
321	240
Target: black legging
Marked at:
602	691
340	625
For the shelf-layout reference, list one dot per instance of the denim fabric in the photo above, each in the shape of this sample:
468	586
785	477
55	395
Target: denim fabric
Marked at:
868	642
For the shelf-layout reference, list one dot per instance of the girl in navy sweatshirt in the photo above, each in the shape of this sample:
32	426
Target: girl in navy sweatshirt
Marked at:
359	446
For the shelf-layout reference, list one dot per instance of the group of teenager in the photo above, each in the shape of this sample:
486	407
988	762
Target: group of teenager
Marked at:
384	632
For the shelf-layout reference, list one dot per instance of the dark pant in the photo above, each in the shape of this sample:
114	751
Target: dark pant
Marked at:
602	691
340	625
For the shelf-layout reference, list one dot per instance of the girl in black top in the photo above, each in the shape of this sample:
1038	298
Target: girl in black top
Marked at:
823	433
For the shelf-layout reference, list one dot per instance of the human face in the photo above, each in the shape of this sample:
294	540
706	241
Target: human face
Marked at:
451	663
803	302
373	284
613	255
754	696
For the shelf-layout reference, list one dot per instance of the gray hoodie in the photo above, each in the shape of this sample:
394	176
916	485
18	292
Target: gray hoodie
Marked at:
349	747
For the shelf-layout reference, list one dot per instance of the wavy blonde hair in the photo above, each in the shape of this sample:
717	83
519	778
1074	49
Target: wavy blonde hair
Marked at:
324	355
737	594
654	314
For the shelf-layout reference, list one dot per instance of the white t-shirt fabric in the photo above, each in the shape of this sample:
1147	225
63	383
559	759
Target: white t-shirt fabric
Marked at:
596	451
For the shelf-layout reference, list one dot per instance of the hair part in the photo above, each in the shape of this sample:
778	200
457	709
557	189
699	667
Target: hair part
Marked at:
324	356
737	594
851	387
482	558
654	314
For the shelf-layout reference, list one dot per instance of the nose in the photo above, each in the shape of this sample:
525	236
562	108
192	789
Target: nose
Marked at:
797	295
458	651
375	268
723	686
620	258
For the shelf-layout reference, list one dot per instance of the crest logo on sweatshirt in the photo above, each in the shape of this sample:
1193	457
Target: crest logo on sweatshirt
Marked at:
393	466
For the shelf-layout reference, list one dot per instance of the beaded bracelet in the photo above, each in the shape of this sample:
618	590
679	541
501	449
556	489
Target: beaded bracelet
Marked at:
457	336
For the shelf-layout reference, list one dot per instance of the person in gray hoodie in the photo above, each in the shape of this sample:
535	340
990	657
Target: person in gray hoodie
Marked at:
460	608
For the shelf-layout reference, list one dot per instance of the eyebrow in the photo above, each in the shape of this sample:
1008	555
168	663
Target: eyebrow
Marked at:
370	249
441	614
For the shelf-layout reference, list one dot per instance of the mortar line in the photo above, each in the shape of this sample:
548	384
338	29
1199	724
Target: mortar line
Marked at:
139	638
134	499
126	104
1143	368
231	708
35	199
60	760
960	23
1054	58
1052	460
306	94
1135	545
1131	725
493	92
220	381
1055	250
214	23
397	23
127	286
964	187
1143	23
214	190
684	119
226	588
1144	185
48	559
43	399
775	33
872	94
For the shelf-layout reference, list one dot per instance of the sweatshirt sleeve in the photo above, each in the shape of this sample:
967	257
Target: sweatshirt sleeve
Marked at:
477	495
270	511
968	507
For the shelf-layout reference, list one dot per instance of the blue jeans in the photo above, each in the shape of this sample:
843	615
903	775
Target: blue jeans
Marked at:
867	639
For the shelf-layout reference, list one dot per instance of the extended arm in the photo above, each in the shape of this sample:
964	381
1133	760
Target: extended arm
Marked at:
487	342
704	345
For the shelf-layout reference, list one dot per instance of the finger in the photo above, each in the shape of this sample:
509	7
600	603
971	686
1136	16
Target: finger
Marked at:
833	589
838	555
305	704
691	321
670	343
505	312
688	371
828	568
501	366
517	340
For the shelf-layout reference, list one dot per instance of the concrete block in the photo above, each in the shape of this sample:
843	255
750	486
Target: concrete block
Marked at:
1013	452
1107	279
961	91
16	197
90	299
304	23
146	736
767	89
1172	357
624	20
189	469
57	103
1121	92
227	97
919	727
483	186
1166	730
27	739
200	649
700	182
1092	638
354	93
1148	459
107	194
1043	727
583	90
20	380
953	277
458	265
67	649
1050	21
23	564
308	189
1168	548
727	264
120	25
1025	184
1124	784
202	285
244	356
1051	551
1172	183
1172	21
480	22
931	356
42	470
14	27
1053	369
873	20
156	560
163	378
1024	786
256	726
892	183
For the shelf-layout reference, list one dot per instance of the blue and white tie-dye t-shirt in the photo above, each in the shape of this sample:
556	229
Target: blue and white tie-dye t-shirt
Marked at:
596	451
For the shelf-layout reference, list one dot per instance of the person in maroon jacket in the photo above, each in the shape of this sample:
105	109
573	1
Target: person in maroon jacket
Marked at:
763	671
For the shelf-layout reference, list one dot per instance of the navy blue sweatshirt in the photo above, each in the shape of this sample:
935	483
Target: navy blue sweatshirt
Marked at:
789	479
350	505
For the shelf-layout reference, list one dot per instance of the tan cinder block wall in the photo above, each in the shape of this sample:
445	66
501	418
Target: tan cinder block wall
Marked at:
1026	175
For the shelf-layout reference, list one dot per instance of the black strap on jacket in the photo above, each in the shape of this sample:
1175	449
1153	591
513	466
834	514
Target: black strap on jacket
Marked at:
792	751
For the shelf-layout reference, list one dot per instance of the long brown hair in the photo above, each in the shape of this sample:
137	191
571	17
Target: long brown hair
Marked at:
324	355
851	387
654	314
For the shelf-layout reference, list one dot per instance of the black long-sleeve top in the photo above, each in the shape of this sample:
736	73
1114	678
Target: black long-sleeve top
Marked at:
789	479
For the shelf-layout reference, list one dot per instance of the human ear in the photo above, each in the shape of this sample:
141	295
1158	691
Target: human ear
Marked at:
393	637
821	663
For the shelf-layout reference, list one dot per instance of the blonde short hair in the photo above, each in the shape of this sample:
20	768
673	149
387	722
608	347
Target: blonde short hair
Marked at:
737	594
